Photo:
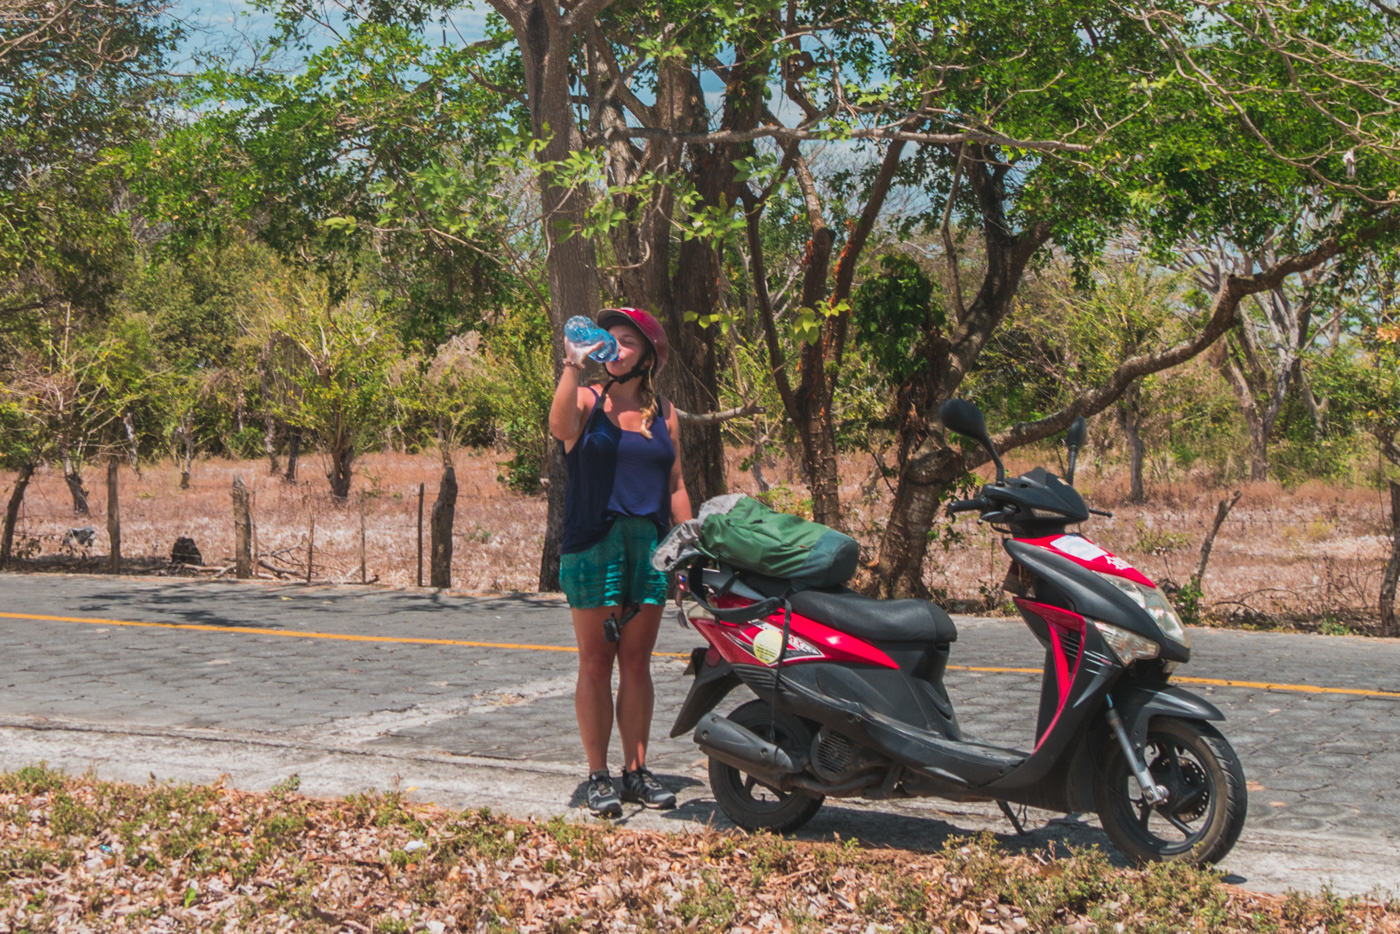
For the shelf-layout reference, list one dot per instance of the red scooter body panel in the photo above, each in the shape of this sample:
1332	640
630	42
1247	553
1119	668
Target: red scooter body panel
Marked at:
1086	554
1057	621
758	642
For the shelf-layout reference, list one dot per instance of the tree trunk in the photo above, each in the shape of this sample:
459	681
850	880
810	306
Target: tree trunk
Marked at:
114	518
342	456
1390	622
444	512
1258	451
555	480
186	449
899	571
823	477
242	531
573	289
76	490
1131	421
293	452
928	467
1253	417
1221	511
7	539
693	385
674	283
270	444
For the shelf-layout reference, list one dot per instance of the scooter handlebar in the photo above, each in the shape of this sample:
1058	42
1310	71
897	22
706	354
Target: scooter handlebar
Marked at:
968	505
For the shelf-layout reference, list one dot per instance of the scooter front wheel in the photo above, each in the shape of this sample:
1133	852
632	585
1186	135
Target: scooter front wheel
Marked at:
747	801
1206	797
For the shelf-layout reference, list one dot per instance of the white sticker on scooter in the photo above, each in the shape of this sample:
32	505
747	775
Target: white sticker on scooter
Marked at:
1079	547
768	645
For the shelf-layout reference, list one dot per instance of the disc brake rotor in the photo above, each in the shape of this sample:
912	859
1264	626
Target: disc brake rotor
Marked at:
1191	779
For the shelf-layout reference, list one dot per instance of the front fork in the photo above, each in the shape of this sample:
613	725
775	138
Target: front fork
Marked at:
1153	793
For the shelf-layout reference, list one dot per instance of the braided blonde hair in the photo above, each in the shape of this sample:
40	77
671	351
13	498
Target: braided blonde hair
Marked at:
649	402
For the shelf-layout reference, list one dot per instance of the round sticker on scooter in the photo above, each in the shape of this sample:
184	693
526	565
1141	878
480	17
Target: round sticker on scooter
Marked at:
767	644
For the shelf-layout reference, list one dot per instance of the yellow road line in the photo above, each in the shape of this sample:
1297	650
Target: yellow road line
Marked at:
421	640
1299	688
1218	682
258	631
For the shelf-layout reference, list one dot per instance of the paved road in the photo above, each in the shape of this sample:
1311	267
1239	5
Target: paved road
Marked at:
467	701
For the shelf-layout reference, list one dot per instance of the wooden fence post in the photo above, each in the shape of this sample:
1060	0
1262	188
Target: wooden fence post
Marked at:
242	530
114	518
362	537
420	535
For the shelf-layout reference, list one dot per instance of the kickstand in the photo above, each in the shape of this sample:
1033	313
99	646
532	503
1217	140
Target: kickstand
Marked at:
612	626
1011	816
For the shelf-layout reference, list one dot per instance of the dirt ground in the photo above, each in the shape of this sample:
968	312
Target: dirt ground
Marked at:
1308	557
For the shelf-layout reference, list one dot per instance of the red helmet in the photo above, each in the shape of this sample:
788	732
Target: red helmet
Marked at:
643	321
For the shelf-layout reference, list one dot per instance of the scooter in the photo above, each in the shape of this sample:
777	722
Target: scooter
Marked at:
851	702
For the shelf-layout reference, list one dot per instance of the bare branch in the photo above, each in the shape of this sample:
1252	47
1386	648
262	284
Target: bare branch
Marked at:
715	418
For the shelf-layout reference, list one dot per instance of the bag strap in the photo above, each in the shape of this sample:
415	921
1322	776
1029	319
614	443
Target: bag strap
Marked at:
778	669
737	614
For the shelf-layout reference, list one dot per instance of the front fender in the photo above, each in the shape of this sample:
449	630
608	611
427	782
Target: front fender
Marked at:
714	678
1137	704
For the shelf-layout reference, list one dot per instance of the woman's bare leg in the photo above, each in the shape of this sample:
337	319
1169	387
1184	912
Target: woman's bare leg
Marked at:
635	695
593	698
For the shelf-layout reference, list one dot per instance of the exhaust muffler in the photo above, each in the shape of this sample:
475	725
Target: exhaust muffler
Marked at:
742	748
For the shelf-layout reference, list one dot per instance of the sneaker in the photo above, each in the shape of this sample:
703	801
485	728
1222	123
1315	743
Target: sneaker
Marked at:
602	796
642	787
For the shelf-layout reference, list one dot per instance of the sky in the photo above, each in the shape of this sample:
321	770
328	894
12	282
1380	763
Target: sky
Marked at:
238	29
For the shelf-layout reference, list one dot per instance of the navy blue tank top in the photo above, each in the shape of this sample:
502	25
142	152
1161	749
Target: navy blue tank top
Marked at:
614	473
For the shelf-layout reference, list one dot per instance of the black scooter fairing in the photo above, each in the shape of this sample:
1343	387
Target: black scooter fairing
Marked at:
1061	582
1138	703
714	679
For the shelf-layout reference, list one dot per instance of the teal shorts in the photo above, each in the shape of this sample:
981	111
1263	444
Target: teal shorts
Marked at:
616	571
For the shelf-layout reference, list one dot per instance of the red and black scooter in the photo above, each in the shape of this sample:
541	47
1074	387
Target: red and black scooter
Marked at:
851	701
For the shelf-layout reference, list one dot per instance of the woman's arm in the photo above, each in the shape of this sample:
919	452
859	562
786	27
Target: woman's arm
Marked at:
568	411
680	497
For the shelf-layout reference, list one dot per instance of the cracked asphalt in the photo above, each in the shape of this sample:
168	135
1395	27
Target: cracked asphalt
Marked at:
467	701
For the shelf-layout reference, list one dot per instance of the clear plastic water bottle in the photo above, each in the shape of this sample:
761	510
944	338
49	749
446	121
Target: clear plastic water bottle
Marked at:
582	332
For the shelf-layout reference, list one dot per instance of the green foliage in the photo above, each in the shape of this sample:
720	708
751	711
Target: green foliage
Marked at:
246	442
79	389
1070	329
894	310
499	392
1187	601
74	80
31	780
323	368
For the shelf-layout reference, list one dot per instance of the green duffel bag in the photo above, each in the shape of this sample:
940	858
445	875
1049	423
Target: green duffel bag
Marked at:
740	531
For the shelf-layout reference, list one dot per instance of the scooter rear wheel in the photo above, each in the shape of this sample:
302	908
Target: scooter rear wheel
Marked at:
747	801
1205	810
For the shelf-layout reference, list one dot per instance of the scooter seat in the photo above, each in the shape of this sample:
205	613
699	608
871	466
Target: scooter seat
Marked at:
872	619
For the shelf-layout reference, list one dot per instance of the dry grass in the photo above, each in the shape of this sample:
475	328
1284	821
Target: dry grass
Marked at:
1308	558
496	545
77	854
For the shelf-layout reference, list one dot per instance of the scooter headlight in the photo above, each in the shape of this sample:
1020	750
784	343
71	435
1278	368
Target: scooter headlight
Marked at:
1128	646
1157	606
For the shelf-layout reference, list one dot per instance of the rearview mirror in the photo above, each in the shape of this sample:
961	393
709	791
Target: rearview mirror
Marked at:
966	419
1074	440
